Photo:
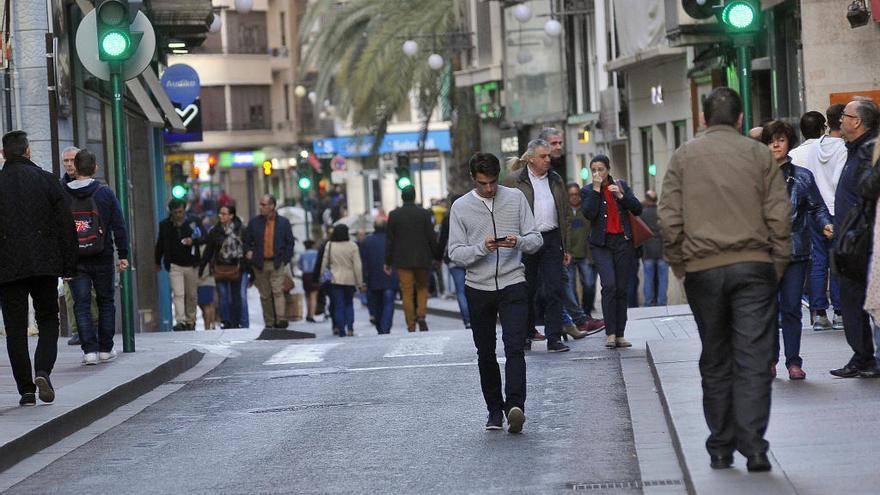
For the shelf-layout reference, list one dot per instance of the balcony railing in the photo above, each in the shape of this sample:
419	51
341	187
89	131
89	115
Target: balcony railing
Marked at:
241	50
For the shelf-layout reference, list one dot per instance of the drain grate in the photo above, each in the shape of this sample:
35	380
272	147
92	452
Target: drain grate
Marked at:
625	484
307	407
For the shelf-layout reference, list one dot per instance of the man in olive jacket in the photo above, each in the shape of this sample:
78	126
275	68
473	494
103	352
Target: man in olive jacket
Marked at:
726	225
545	191
38	244
411	247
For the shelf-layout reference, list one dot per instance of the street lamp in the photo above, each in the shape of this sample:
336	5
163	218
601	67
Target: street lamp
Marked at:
553	28
410	47
216	24
299	91
435	61
244	6
523	13
524	56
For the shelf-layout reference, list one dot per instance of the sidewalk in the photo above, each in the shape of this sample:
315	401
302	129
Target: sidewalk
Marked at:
87	393
822	433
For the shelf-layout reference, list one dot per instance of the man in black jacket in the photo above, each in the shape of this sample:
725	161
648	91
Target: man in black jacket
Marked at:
37	245
858	124
178	244
269	248
411	247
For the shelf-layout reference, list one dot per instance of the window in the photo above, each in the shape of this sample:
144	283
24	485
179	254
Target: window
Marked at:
650	168
680	136
286	102
251	107
283	31
213	108
246	32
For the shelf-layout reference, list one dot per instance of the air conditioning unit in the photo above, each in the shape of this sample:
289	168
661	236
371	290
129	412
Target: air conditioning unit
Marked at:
684	30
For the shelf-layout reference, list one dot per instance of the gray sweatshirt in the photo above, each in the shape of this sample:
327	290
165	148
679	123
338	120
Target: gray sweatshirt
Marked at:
472	220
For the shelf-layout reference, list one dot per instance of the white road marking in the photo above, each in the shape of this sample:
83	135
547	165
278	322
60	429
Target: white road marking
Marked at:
300	353
418	346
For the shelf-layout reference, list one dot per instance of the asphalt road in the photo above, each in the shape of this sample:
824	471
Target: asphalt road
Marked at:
401	413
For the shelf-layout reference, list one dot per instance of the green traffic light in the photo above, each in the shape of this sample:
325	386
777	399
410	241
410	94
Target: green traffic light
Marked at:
585	173
114	43
305	183
178	191
404	182
652	169
739	15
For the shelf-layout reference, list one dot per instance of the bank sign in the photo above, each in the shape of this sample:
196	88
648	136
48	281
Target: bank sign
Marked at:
399	142
181	83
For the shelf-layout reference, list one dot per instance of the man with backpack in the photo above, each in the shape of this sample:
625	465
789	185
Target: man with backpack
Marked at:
96	215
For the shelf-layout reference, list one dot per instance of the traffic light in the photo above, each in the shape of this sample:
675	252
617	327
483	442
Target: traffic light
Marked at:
116	41
305	181
267	168
212	165
403	172
739	16
179	187
585	173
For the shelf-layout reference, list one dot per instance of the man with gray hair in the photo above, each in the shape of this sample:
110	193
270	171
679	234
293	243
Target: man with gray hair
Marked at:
67	157
858	124
545	192
554	138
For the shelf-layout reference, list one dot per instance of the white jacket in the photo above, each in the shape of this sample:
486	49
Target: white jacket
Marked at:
825	157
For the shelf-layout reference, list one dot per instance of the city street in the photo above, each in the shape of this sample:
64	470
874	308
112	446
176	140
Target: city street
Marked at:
369	414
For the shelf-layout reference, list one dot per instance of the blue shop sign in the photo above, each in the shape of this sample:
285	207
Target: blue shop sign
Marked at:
181	83
400	142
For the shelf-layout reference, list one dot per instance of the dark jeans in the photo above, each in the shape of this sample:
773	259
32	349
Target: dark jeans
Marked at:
658	268
511	305
245	315
587	274
819	273
856	323
548	260
99	276
615	262
735	310
790	289
381	304
229	293
14	302
342	297
458	275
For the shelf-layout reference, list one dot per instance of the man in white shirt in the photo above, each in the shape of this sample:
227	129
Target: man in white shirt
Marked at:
824	155
545	191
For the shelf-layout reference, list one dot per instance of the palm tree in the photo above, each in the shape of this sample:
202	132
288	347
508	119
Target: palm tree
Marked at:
355	46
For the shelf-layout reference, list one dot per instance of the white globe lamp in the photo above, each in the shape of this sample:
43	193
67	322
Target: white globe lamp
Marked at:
523	13
244	6
410	47
524	57
553	28
435	61
216	23
300	91
313	97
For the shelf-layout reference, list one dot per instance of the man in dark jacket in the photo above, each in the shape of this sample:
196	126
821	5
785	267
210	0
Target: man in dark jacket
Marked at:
97	270
545	191
411	247
37	245
178	245
381	286
67	159
269	247
726	224
858	123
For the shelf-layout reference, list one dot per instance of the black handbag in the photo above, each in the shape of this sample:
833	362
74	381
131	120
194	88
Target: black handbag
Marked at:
852	249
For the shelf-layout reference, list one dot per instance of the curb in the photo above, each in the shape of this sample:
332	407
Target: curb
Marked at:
75	419
676	443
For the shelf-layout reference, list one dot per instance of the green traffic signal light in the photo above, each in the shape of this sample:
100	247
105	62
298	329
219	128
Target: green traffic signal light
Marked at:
739	15
114	43
585	173
404	182
178	191
305	183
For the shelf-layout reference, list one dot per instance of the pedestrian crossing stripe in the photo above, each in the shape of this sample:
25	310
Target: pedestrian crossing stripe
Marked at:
300	353
421	346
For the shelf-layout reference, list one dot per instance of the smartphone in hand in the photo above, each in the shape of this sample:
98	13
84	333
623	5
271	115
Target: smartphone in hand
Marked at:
500	239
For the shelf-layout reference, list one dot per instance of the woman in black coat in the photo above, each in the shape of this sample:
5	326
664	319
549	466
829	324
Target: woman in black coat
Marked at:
606	203
224	252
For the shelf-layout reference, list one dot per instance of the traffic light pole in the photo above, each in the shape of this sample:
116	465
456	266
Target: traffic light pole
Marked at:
122	192
744	62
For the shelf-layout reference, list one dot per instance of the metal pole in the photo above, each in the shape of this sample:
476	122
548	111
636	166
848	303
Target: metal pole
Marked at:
53	102
744	61
306	211
119	155
7	73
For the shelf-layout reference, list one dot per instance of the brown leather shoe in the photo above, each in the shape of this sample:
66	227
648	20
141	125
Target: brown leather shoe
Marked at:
622	342
573	331
536	335
795	372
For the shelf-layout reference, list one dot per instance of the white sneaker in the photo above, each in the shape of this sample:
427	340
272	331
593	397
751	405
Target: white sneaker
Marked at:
90	358
106	356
